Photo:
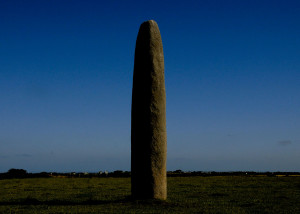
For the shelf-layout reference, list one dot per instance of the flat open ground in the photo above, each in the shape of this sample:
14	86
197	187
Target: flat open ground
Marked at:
218	194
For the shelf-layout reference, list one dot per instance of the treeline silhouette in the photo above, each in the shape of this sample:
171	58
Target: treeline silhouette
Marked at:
21	173
180	173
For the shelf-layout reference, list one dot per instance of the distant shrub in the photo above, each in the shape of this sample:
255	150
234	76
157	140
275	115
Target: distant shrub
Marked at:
17	173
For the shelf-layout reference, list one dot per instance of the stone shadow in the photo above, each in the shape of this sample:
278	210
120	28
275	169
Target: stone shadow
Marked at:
56	202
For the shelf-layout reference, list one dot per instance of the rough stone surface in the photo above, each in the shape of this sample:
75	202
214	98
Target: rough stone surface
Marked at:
148	116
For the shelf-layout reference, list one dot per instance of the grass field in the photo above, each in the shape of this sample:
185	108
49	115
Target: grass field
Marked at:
219	194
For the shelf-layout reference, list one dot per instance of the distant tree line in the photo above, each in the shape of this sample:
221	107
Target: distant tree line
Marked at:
21	173
180	173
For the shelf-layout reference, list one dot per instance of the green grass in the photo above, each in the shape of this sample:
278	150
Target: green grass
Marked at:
223	194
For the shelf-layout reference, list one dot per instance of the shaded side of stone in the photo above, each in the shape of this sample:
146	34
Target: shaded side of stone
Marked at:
148	116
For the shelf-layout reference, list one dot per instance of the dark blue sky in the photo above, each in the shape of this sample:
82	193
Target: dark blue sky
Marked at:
232	73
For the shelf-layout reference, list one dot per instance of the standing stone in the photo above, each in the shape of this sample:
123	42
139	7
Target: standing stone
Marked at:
148	117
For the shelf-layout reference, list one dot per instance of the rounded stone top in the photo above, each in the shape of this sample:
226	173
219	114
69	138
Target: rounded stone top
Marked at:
149	23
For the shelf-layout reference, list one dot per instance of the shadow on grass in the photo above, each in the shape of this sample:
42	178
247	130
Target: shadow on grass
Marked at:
55	202
219	195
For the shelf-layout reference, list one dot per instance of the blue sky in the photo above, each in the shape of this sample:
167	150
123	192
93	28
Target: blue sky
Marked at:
232	74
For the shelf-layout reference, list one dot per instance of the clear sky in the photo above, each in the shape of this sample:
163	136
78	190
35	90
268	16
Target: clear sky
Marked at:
232	71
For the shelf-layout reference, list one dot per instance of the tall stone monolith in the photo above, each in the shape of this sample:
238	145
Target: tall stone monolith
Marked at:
148	116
